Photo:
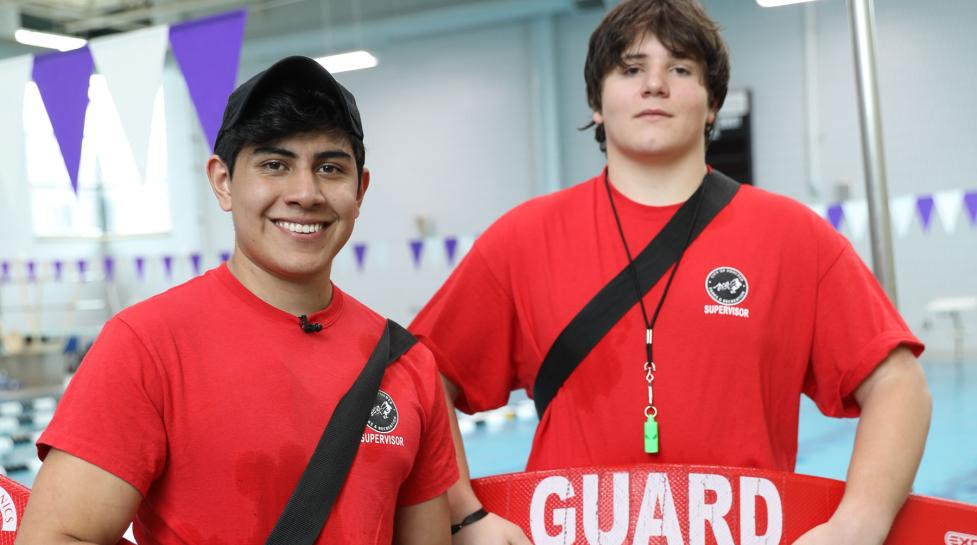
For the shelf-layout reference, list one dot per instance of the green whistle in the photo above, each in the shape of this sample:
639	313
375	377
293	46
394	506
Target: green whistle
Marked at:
651	436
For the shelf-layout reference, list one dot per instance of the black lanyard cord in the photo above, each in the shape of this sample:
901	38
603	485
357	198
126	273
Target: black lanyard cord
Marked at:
650	324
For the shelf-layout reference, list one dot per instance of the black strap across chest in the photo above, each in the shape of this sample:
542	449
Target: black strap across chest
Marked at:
308	508
614	300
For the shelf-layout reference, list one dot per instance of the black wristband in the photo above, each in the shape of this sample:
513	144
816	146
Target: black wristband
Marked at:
470	519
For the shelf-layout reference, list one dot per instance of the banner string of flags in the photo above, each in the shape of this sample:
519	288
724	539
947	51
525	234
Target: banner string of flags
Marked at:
206	50
438	252
948	206
444	252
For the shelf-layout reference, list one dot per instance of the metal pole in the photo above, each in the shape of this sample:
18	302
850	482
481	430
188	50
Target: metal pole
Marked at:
546	118
863	40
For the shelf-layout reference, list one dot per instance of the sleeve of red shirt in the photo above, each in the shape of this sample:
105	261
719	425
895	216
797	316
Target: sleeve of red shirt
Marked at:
471	326
435	468
111	413
856	327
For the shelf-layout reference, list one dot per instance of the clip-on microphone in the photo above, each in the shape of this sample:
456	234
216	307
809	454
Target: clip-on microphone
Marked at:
309	327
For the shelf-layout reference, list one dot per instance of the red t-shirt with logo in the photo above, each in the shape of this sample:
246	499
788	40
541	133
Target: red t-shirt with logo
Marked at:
210	402
769	302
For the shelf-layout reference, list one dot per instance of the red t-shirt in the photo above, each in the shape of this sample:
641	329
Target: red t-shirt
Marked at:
768	302
210	402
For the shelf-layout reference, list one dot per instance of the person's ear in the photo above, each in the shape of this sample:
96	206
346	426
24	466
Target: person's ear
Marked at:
597	118
361	190
220	181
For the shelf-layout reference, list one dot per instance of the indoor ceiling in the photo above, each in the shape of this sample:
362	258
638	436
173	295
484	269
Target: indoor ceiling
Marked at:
91	18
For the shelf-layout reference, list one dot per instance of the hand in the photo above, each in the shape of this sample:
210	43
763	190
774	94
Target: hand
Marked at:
837	533
491	530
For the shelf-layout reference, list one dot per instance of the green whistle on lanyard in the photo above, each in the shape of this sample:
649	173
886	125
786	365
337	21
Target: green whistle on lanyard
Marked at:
651	435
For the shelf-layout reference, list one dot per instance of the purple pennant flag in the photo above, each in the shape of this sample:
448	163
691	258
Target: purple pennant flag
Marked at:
835	215
31	271
108	265
416	249
924	204
58	268
62	79
6	271
450	248
225	256
970	200
208	51
359	250
168	265
82	269
140	267
195	262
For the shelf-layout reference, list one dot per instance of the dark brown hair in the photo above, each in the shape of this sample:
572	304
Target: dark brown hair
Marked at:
682	26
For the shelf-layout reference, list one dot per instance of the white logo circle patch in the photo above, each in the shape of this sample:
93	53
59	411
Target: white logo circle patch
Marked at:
383	416
727	286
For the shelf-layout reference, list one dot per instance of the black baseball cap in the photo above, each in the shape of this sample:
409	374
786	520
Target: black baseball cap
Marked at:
302	70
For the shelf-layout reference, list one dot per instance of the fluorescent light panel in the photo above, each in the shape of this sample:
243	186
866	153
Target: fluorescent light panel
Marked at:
775	3
48	40
344	62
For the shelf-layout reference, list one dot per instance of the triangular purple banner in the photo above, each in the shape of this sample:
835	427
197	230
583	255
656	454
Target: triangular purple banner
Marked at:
140	267
195	262
835	215
359	251
108	266
62	79
451	248
208	51
970	200
416	249
58	269
5	266
168	265
82	269
31	271
924	204
225	256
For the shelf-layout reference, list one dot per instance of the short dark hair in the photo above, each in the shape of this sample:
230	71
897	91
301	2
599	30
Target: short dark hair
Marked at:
682	26
284	112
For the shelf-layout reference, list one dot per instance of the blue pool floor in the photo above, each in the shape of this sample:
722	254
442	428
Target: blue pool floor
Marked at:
948	469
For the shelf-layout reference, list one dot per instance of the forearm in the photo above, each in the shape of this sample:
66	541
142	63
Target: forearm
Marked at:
889	442
462	500
423	524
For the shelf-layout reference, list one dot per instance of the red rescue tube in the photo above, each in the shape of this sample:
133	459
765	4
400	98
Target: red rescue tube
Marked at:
678	504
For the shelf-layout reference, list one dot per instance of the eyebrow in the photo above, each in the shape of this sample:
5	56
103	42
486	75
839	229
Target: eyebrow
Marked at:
641	56
327	154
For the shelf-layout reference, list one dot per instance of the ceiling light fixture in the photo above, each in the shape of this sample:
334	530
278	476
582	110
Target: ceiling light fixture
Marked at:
775	3
48	40
344	62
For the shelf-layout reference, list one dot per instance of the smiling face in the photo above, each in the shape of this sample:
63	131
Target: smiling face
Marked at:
293	202
654	105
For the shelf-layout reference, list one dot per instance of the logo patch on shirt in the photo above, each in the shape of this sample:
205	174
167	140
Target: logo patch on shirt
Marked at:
383	417
727	286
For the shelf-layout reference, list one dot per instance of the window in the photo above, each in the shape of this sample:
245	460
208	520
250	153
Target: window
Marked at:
112	198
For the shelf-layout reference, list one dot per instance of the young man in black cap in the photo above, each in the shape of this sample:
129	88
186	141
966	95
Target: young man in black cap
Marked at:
196	411
766	303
